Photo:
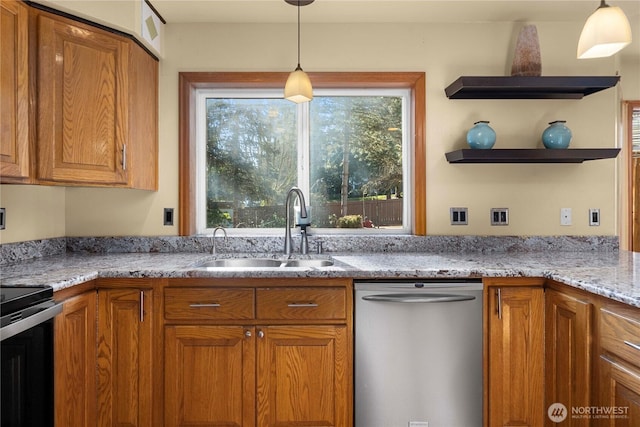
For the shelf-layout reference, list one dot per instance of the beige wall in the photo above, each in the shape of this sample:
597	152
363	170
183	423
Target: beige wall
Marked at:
33	212
533	193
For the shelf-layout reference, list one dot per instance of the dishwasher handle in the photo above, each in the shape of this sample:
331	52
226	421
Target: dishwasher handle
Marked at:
418	298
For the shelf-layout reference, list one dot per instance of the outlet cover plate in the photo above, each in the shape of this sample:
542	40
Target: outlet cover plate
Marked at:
459	216
499	216
594	217
565	216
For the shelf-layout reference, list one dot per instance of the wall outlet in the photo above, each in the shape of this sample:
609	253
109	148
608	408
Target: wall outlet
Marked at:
3	218
459	216
594	217
565	216
500	216
168	216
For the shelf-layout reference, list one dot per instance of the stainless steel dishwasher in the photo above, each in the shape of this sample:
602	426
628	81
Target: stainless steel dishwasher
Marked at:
418	353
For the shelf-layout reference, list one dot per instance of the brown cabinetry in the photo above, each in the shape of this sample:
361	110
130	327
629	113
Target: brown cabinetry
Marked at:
75	362
286	363
619	379
93	116
97	106
125	357
568	353
514	352
15	152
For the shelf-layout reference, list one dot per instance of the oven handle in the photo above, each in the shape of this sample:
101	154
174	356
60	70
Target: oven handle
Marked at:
29	322
417	298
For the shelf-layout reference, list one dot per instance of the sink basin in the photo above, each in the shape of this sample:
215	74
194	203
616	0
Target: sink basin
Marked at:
309	263
242	262
264	262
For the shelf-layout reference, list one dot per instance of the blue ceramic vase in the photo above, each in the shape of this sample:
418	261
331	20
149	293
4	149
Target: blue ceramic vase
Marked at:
557	135
481	136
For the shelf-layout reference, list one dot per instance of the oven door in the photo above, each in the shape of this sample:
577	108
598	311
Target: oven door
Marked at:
26	352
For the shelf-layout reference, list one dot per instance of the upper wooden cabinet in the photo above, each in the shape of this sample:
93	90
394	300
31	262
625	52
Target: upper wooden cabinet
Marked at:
97	107
94	116
15	153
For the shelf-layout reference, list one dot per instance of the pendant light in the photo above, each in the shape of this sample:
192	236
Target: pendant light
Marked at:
298	87
606	32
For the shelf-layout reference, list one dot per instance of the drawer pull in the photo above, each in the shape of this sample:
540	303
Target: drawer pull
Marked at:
302	304
632	345
204	305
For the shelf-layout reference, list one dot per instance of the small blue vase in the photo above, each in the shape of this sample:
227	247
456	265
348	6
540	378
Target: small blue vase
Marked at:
481	136
557	135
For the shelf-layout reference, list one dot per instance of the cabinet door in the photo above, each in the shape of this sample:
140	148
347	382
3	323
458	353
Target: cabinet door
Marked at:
125	357
209	376
515	356
568	353
304	376
143	120
14	86
82	104
620	394
75	362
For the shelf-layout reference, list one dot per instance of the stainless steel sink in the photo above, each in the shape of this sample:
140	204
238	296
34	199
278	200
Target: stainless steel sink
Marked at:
264	263
309	263
242	262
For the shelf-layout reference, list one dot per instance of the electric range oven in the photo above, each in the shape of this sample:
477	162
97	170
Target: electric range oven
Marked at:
26	351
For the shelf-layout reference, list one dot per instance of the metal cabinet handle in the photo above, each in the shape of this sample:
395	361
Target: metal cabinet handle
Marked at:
247	333
260	333
302	304
499	303
124	157
213	304
632	345
141	306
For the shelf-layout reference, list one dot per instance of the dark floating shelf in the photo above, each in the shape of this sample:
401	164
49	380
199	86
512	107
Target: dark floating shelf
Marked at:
570	155
519	87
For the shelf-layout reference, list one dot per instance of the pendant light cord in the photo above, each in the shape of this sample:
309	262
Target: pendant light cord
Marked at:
299	34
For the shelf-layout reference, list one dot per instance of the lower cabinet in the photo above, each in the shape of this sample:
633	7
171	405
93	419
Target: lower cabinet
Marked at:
288	362
514	352
619	367
209	375
568	355
302	376
125	357
75	362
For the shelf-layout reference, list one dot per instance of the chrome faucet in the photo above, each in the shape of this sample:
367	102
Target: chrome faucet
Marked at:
288	241
213	238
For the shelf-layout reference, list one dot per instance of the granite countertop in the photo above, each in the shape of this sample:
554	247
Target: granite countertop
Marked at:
613	274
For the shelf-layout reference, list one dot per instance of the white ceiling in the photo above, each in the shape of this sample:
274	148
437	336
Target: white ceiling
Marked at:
353	11
395	11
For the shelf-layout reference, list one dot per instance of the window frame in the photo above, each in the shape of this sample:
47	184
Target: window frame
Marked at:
190	82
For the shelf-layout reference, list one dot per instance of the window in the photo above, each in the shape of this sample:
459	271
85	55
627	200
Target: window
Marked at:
353	151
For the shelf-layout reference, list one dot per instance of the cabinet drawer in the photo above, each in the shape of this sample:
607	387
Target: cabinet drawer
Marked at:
208	304
620	334
301	303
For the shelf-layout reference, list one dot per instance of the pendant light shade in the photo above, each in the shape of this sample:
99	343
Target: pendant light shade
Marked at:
606	32
298	87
